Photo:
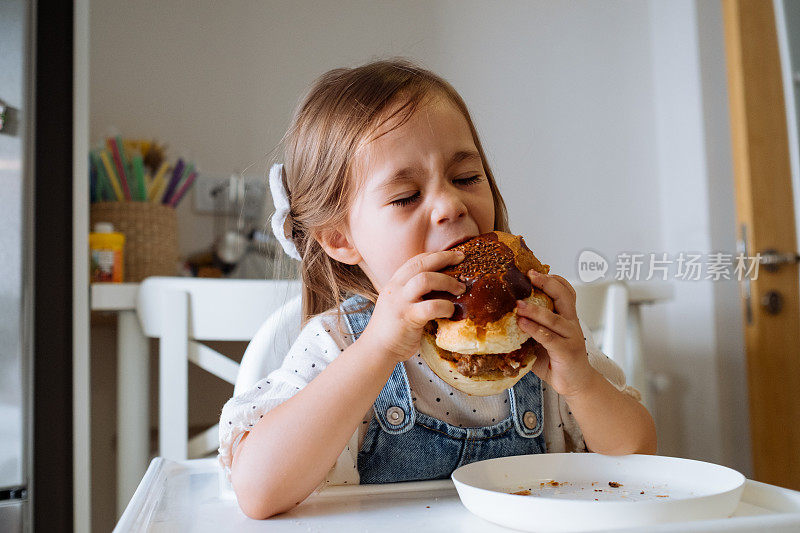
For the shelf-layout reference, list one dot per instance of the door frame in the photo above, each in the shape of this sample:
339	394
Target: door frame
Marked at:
764	204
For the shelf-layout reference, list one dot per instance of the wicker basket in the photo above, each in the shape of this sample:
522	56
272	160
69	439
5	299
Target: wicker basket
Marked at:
151	236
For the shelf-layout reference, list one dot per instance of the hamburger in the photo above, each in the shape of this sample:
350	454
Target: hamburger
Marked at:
480	349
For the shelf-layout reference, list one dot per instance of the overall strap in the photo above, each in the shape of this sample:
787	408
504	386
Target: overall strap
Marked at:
393	407
526	405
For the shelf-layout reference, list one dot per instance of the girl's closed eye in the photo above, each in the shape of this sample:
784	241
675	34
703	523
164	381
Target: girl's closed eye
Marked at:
470	180
402	202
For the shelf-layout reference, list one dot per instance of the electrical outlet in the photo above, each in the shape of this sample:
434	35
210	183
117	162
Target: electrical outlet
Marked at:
218	195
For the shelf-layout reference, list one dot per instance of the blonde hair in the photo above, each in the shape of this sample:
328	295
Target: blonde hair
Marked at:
340	110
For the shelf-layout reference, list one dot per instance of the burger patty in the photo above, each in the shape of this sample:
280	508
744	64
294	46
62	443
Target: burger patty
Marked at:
506	365
486	366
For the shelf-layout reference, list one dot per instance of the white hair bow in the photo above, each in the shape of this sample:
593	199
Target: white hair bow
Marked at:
281	220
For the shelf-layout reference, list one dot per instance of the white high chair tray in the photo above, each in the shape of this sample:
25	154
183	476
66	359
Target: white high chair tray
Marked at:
191	496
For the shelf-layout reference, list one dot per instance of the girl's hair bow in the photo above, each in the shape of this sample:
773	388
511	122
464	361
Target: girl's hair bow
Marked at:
281	219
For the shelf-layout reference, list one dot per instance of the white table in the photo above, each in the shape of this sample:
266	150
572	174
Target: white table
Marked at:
133	395
191	496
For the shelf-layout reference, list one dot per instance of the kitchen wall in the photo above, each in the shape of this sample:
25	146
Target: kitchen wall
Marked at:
605	123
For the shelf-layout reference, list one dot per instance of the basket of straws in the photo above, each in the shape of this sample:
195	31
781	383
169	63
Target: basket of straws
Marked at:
136	189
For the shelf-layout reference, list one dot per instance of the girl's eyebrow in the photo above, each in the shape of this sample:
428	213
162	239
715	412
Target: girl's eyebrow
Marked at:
405	173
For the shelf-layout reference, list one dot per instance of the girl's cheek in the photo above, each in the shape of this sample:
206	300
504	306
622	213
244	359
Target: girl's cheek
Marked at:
485	219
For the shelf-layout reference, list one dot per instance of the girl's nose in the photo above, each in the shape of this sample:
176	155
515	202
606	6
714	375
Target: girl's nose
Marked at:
448	207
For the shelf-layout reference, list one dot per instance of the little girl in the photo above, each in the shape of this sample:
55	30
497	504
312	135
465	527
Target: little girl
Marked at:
384	171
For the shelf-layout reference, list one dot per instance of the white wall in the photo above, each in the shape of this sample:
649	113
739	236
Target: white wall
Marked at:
218	80
605	123
787	14
562	96
702	345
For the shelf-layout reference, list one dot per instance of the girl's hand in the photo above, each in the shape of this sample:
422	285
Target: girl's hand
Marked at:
400	312
561	356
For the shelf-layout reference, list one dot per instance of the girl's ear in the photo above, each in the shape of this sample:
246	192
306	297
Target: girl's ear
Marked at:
338	246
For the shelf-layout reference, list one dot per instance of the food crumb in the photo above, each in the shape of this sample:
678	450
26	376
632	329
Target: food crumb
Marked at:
661	496
614	484
596	500
553	483
525	492
598	490
641	492
427	507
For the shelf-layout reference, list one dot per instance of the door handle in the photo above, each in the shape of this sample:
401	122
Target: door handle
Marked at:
772	260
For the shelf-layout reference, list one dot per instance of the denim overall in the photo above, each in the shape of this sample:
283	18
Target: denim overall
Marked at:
403	444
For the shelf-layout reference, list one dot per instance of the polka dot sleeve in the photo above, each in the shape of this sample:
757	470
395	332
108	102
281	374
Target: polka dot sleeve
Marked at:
319	342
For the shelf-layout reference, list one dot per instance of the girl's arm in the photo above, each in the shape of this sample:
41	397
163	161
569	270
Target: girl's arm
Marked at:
612	422
288	452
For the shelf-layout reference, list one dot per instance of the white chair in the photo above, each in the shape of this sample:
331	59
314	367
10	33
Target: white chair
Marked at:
611	310
269	345
181	312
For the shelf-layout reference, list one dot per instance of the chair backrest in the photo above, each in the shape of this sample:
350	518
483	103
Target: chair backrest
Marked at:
182	311
221	309
611	310
602	308
270	344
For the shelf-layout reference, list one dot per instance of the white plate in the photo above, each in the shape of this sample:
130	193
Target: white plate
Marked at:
652	490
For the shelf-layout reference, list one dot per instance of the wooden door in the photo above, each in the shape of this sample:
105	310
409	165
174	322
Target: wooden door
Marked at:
765	221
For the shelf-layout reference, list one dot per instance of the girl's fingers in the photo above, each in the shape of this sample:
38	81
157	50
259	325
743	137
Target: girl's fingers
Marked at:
541	334
426	282
545	317
566	283
426	262
422	312
563	298
541	367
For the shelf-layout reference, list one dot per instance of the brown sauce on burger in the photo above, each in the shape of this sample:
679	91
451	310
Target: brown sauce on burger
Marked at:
494	283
